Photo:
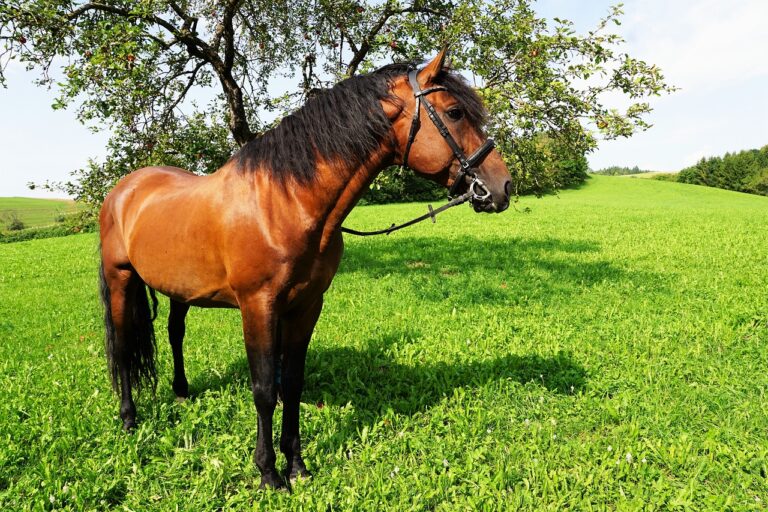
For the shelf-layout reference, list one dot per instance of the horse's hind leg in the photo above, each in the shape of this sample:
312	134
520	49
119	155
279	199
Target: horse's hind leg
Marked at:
117	290
176	330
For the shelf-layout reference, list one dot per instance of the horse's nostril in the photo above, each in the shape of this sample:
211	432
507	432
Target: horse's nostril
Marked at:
508	188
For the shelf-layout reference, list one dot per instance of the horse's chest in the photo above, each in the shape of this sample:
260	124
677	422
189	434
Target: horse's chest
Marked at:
313	277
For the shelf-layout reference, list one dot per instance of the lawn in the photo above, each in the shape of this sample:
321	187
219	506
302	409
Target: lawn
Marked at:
33	212
602	349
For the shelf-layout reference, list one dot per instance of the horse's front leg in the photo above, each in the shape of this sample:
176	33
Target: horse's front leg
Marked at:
296	331
259	326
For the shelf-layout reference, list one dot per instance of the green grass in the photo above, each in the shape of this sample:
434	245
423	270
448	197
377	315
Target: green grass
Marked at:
606	350
34	212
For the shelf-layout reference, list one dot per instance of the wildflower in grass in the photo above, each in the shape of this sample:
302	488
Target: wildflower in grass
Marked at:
445	463
527	422
610	448
644	460
629	458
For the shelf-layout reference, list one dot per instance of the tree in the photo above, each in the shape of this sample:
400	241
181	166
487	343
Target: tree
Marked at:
133	66
745	171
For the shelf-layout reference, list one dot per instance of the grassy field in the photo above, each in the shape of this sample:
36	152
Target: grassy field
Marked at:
34	212
604	350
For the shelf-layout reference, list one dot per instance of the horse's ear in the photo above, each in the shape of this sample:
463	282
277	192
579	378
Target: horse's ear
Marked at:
434	67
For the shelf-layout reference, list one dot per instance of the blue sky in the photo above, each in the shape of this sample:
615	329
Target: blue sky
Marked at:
715	51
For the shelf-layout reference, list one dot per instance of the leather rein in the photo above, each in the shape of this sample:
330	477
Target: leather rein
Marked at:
467	165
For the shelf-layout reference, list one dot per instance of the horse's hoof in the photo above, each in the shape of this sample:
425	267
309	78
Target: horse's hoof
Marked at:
272	481
181	399
129	425
297	474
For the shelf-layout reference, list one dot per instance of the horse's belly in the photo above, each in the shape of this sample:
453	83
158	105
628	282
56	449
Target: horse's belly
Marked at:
180	261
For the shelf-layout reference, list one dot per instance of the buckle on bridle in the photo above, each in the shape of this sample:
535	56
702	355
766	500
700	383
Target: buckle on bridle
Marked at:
476	182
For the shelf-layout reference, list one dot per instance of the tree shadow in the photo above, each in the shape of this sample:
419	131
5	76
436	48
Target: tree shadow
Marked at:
474	271
373	381
488	269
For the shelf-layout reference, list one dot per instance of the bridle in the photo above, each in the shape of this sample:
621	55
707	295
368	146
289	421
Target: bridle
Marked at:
477	192
467	165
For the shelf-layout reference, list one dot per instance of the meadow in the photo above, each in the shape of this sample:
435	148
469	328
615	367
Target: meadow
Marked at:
34	212
603	349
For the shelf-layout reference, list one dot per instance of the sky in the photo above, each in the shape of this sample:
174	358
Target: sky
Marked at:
714	51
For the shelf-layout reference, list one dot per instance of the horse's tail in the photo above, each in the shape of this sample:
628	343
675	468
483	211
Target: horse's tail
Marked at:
138	351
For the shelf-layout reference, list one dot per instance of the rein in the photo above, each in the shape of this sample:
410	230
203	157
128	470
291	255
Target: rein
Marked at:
429	215
467	164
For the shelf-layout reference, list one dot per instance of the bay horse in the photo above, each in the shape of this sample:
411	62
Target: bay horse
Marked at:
262	233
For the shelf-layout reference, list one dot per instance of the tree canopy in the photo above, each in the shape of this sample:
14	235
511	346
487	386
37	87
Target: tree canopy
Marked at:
745	171
140	68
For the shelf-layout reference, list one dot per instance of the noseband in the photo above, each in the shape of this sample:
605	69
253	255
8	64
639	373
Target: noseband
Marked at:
468	165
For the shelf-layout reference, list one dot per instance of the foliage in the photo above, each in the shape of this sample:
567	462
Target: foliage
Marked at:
665	176
616	170
600	352
745	171
12	221
134	67
399	185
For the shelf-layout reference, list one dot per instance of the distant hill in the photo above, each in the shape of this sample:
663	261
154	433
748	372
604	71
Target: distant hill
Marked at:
33	212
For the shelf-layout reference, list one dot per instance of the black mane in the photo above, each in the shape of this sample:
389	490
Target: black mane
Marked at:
345	122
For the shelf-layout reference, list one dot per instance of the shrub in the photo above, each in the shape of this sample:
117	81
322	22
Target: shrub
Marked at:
13	222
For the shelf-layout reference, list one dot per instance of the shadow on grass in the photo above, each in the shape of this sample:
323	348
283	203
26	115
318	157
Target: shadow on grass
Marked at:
373	382
474	270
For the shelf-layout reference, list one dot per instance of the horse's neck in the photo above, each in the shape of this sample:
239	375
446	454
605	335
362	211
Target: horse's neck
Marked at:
345	187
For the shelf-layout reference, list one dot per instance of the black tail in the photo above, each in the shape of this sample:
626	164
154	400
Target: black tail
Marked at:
138	355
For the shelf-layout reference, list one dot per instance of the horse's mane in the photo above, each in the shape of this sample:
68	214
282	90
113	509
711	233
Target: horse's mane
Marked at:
346	122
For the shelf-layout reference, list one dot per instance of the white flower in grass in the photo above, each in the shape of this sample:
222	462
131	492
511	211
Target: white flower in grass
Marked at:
445	463
629	458
51	499
554	436
527	422
610	448
644	460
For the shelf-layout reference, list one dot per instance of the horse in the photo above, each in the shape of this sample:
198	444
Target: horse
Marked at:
262	233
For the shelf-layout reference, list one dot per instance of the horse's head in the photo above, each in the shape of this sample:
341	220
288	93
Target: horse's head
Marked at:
438	127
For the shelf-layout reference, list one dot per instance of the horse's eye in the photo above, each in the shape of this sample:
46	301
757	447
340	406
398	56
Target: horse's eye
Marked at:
455	114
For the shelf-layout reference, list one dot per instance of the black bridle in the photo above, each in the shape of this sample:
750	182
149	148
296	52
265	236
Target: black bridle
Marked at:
476	192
